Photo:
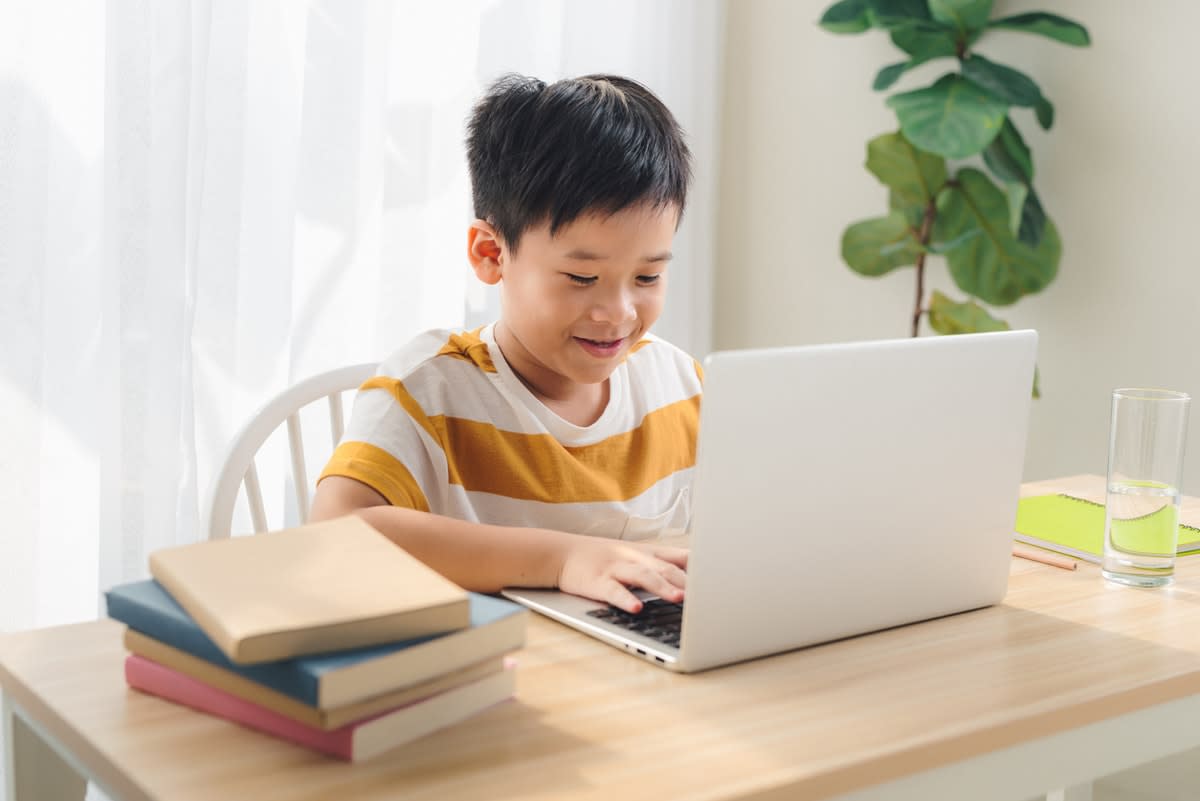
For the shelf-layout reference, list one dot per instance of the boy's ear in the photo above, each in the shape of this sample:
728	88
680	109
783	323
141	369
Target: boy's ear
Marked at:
485	250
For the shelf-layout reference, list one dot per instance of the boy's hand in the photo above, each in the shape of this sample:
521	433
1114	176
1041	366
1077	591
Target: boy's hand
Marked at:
603	569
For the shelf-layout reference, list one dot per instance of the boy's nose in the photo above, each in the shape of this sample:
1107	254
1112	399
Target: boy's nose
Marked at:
614	309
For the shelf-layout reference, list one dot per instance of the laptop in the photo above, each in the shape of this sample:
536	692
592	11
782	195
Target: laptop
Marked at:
839	489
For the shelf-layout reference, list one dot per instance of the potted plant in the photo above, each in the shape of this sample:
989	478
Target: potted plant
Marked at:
989	224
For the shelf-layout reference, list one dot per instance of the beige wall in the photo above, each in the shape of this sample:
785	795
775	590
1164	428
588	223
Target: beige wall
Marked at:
1116	173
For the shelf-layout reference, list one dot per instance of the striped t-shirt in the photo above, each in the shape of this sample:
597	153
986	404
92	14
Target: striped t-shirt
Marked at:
447	427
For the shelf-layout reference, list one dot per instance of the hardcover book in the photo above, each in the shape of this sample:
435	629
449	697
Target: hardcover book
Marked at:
316	588
353	742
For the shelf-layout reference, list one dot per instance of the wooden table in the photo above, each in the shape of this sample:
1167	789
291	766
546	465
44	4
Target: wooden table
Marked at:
1071	677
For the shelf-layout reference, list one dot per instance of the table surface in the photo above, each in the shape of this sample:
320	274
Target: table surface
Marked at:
1063	650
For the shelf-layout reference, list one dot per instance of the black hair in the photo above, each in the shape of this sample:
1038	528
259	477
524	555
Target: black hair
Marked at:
554	152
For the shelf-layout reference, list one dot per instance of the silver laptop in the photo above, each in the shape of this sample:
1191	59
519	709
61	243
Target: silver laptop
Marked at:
839	489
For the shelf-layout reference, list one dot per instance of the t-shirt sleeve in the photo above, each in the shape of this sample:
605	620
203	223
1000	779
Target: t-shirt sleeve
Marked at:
391	446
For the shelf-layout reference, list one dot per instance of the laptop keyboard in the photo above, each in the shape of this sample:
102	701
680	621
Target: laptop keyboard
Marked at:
659	620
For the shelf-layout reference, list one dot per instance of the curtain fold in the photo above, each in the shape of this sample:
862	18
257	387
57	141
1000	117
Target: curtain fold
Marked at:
203	202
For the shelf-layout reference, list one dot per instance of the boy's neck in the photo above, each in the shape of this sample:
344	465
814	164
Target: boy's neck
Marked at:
579	404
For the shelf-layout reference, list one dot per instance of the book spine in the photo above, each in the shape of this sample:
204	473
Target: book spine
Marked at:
424	661
223	679
411	624
150	677
1057	547
181	632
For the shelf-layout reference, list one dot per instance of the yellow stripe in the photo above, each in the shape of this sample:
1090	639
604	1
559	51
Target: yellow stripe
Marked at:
699	370
636	346
536	467
469	347
380	471
396	388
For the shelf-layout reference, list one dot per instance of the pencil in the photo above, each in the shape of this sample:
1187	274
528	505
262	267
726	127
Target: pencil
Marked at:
1045	557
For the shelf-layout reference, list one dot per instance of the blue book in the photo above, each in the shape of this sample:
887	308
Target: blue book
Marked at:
334	679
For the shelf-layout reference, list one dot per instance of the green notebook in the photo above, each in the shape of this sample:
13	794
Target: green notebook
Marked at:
1075	527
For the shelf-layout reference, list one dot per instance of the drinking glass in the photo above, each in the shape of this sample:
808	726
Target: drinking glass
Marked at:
1145	466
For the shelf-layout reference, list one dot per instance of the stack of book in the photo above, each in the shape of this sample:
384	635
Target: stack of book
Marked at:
327	635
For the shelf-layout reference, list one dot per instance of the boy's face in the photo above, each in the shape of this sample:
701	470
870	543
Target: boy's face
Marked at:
574	303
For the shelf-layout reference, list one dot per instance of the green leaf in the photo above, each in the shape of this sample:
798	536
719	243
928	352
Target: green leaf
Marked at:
953	118
1033	221
914	176
1009	160
890	14
925	44
923	41
902	11
942	248
890	74
994	267
1016	192
877	246
1008	156
1012	86
913	214
968	317
846	16
1051	26
1045	113
965	15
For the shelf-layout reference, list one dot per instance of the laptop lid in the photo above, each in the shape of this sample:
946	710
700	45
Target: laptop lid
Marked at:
847	488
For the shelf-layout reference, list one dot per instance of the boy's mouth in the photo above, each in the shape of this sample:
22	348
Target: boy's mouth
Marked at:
600	347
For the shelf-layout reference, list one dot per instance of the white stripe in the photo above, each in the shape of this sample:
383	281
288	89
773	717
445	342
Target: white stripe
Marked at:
456	388
661	374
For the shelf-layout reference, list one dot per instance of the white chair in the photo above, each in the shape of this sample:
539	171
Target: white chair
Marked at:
238	469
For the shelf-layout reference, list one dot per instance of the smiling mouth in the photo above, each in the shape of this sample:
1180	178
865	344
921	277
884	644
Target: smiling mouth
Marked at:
600	347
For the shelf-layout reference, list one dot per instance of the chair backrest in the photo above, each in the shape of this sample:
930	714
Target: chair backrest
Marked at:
238	469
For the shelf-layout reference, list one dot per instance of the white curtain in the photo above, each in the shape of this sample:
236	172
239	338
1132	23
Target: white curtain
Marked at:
203	202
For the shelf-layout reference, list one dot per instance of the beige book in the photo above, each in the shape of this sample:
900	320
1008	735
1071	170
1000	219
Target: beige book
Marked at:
242	687
315	588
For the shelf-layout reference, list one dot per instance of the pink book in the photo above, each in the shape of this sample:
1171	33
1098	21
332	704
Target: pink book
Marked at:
356	741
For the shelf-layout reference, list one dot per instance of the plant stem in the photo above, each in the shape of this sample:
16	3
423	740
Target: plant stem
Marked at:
923	235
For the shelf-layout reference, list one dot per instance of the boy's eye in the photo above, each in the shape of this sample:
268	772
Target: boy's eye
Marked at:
582	280
647	280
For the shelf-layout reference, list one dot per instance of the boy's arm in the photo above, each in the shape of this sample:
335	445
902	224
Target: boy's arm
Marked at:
486	558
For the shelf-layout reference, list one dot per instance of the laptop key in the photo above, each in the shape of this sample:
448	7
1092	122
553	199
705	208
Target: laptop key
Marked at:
659	620
655	605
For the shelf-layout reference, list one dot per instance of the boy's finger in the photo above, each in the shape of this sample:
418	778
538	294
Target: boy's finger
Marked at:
616	595
673	574
676	556
648	578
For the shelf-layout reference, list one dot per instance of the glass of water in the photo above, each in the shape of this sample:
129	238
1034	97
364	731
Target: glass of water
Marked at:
1145	469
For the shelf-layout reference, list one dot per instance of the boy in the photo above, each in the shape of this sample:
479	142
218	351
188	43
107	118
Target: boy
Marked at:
536	451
